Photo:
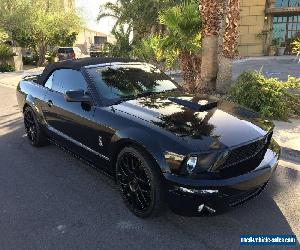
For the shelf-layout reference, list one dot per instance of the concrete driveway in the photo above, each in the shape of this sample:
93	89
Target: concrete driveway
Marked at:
11	79
270	66
51	200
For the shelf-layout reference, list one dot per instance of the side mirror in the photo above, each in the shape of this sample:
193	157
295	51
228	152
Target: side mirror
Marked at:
77	96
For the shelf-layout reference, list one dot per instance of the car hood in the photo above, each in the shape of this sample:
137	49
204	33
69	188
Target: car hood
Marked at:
223	123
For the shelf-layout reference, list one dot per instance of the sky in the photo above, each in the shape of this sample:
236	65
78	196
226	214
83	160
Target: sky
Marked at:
89	10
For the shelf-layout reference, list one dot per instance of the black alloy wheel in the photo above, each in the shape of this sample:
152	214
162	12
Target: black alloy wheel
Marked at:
33	130
139	182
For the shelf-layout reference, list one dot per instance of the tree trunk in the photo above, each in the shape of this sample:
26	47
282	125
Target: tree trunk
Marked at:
191	68
223	69
224	79
211	13
42	54
197	62
230	42
209	66
187	70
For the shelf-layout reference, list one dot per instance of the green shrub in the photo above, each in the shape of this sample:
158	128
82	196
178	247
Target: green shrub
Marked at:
270	97
3	36
5	67
296	46
5	52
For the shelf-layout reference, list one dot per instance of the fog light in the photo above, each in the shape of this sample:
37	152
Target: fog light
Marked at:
191	164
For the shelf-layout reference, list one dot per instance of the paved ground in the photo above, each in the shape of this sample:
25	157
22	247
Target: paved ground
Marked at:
288	133
50	200
270	66
278	66
11	79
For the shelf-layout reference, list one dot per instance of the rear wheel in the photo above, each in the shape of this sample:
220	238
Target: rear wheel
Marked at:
33	130
140	183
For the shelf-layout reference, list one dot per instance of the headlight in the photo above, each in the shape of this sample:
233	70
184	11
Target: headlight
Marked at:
191	164
201	163
194	164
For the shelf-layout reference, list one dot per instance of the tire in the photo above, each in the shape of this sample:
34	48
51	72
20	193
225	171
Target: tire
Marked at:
140	183
33	129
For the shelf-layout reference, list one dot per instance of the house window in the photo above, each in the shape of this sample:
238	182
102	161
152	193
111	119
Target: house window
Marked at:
100	39
287	3
286	27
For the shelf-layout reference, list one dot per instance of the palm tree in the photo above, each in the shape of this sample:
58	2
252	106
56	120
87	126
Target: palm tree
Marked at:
211	13
230	36
140	14
123	45
183	39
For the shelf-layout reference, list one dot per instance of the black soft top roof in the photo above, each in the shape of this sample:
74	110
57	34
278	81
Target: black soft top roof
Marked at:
76	65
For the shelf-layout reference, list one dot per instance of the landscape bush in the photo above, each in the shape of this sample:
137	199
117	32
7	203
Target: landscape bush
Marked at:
5	67
270	97
296	46
6	52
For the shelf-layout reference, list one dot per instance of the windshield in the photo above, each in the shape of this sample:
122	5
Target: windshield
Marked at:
128	80
65	50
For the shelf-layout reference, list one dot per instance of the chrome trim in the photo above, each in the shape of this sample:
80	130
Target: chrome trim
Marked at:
116	63
197	191
76	142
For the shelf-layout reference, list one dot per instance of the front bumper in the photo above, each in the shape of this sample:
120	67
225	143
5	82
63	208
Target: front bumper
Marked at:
198	197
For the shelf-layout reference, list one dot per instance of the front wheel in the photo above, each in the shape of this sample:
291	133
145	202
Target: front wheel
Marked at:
33	130
140	183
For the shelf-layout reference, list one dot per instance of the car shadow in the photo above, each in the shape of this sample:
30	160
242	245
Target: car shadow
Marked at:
49	193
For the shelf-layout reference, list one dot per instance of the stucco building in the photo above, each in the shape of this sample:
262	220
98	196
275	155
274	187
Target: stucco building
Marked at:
262	21
88	38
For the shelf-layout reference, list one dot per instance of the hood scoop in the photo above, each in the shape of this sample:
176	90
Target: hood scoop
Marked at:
193	105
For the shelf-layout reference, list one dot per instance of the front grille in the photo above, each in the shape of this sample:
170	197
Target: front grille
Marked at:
244	152
244	159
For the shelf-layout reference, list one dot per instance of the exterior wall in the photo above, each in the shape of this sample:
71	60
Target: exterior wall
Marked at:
15	60
111	39
85	39
252	23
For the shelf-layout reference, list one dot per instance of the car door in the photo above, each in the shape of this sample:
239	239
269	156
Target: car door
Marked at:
71	122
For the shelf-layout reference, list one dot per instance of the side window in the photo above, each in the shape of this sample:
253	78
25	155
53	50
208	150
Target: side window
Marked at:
48	84
68	79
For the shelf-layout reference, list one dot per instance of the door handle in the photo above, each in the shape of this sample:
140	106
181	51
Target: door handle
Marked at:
50	103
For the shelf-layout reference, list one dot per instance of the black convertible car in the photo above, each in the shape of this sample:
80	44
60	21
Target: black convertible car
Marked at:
164	146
